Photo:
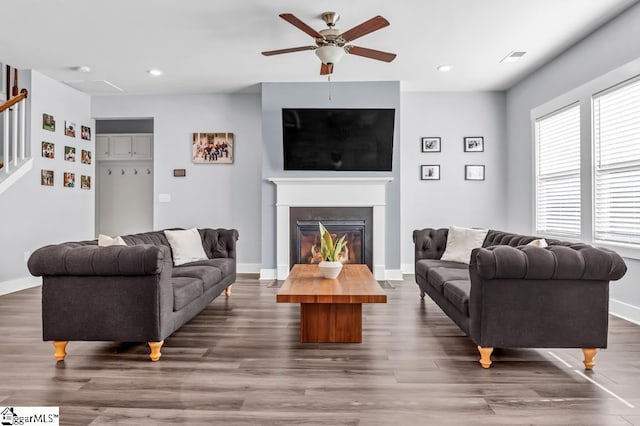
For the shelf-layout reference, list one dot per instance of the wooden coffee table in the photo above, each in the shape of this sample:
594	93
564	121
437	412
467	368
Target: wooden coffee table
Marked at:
331	310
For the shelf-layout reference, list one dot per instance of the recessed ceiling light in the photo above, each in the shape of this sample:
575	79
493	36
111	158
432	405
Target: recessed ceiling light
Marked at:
155	72
444	68
514	56
82	68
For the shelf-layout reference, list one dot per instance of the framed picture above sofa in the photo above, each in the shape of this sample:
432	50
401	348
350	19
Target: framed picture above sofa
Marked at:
430	172
474	144
430	144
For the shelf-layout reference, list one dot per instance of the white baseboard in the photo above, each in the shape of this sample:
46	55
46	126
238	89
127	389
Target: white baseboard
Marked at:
625	311
408	268
18	284
393	274
268	274
248	268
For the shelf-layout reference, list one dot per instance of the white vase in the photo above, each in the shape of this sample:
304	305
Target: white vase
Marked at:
330	269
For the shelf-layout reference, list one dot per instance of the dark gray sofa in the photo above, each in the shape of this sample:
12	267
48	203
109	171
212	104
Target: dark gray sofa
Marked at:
517	296
129	293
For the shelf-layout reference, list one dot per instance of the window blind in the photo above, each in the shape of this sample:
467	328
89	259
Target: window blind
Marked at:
616	128
557	137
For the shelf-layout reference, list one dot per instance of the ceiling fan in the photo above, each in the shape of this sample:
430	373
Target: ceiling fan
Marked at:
331	44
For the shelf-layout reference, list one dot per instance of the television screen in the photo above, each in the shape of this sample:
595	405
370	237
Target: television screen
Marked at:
338	139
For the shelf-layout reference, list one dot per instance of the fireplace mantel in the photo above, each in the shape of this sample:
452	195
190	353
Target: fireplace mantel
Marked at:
330	192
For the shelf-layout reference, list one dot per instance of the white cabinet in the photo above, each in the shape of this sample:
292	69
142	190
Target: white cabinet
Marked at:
124	146
102	147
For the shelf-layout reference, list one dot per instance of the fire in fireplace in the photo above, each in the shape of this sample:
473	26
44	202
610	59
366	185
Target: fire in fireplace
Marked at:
309	237
354	222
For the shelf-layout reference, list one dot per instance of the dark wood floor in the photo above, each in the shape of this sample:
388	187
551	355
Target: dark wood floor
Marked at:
239	362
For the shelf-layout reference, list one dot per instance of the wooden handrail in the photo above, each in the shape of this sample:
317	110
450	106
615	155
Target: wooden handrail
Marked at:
16	99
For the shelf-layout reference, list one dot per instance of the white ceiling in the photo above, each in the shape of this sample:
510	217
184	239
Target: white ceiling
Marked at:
207	46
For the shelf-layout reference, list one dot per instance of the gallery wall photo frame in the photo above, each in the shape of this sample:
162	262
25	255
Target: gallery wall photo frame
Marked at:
431	144
473	143
48	122
474	172
70	129
430	172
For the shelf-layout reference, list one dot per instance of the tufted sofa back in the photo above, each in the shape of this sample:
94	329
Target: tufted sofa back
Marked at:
216	242
430	243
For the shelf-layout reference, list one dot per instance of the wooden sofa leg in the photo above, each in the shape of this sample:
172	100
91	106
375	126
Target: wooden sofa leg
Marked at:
589	354
60	346
155	350
422	294
485	356
227	291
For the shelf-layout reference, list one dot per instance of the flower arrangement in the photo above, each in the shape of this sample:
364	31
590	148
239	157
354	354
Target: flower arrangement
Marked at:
328	250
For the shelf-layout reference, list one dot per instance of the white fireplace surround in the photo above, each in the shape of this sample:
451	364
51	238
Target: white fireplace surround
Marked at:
330	192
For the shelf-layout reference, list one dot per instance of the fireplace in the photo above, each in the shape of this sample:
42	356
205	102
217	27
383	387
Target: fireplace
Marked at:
353	222
331	193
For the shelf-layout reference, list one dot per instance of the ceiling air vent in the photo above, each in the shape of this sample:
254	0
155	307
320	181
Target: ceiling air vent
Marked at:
513	57
94	87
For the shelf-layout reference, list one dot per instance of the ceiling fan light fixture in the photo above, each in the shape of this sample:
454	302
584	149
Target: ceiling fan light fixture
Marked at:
444	68
330	54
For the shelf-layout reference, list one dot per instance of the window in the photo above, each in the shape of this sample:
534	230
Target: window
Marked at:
616	139
557	138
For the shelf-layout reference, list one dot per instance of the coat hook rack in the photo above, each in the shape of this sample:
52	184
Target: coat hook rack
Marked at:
108	171
121	171
148	171
135	171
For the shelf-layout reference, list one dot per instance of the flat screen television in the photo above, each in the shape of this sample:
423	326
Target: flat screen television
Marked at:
338	139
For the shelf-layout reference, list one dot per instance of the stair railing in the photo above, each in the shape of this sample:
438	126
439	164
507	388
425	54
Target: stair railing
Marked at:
13	113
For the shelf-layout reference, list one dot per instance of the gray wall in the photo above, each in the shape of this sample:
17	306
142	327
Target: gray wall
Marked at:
221	195
452	200
276	96
612	46
144	125
33	215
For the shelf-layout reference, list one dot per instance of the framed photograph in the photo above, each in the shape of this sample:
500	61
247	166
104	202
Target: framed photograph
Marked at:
69	180
474	144
48	150
212	148
473	172
430	172
85	133
85	182
46	177
69	153
48	123
85	157
430	144
70	129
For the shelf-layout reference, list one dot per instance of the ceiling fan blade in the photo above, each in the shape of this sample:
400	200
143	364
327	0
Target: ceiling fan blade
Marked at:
290	50
326	69
370	53
293	20
365	28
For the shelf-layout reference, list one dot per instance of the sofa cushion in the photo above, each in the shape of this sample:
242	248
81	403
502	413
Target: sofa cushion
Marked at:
186	246
185	291
423	265
226	266
209	275
438	276
460	243
457	292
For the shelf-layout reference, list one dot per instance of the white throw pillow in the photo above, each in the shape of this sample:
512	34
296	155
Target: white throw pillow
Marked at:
541	242
106	241
460	242
186	246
